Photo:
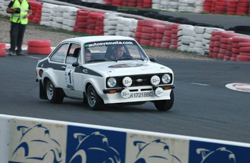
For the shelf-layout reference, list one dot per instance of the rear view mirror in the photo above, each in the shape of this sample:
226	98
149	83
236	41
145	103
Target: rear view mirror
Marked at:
75	64
152	59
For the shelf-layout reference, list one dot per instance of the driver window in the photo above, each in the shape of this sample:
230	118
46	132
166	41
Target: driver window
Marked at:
60	54
74	53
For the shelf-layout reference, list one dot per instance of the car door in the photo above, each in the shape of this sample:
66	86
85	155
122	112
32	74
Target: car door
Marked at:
57	61
73	82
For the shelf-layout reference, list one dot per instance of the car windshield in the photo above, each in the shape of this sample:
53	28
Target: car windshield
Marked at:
113	51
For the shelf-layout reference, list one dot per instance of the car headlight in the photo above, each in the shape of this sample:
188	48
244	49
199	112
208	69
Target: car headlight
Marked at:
166	78
111	82
127	81
155	80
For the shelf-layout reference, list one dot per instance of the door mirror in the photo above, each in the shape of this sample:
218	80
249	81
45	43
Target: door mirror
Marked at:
152	59
75	64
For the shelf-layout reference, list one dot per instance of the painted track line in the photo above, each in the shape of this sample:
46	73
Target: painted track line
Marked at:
201	84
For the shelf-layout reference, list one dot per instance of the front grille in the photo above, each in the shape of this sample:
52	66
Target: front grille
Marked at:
138	80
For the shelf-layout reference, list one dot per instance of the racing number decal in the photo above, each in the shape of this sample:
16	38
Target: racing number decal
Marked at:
69	77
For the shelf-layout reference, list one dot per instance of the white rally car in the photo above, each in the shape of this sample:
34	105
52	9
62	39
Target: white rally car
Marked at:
103	79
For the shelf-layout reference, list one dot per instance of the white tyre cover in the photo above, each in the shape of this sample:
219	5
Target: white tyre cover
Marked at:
119	27
199	37
58	19
198	45
118	33
49	5
110	23
111	32
155	6
56	25
199	30
205	41
156	1
44	14
58	14
186	39
47	10
125	33
47	23
210	30
46	18
107	28
207	36
199	51
193	39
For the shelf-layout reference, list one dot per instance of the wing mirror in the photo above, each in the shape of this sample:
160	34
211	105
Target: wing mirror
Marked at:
152	59
75	64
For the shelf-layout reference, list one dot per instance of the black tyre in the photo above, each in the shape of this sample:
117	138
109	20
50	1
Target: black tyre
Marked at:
54	95
95	102
165	105
42	91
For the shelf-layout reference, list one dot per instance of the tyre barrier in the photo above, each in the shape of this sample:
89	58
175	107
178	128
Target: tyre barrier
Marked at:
36	8
47	14
3	6
49	141
231	7
111	23
39	47
2	50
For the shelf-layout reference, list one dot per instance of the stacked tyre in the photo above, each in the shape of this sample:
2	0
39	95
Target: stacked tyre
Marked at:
147	31
99	30
47	14
186	39
36	15
242	7
2	50
39	47
232	7
110	23
244	50
69	18
81	21
174	37
158	35
215	44
235	48
220	7
224	40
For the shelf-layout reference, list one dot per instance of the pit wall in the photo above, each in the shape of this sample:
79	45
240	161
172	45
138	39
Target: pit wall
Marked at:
30	140
214	42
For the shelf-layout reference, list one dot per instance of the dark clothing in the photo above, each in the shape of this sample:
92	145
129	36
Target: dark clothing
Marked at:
11	4
16	36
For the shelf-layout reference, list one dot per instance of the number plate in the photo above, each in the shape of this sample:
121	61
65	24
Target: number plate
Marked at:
142	94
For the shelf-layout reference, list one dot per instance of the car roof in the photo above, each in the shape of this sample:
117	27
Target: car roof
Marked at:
86	39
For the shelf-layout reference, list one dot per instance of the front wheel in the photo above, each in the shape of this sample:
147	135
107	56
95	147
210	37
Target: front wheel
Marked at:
165	105
95	102
53	94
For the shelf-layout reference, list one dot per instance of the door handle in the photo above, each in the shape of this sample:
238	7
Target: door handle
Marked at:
63	67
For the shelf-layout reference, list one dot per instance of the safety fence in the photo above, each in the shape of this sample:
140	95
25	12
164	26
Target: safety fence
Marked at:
158	33
29	140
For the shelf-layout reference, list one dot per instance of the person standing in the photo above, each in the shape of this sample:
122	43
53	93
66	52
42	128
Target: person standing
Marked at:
20	11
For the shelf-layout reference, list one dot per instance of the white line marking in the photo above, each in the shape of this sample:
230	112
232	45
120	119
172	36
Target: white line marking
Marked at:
34	57
200	84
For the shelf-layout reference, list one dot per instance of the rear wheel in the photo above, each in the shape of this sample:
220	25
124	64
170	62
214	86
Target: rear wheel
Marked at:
165	105
42	91
54	95
95	102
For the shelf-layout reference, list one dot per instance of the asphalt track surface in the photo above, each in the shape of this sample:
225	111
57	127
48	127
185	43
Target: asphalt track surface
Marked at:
226	21
203	106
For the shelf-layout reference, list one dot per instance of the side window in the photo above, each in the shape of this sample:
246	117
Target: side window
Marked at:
74	53
60	54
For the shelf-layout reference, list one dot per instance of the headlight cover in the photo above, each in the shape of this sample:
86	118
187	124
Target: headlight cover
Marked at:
127	81
111	82
166	78
155	80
